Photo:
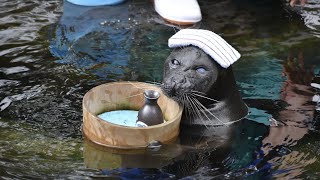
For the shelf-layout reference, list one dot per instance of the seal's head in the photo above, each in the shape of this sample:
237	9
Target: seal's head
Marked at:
198	75
189	71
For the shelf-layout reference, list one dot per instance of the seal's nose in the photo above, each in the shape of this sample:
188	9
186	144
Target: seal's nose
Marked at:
178	79
169	89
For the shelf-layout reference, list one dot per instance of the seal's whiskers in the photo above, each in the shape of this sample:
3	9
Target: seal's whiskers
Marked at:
135	95
186	106
209	112
141	87
197	109
200	111
153	83
202	96
194	91
192	109
135	85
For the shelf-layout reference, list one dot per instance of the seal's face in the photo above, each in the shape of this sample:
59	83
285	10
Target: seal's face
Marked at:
188	70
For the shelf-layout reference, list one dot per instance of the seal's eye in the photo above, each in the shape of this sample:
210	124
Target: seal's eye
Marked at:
175	62
201	70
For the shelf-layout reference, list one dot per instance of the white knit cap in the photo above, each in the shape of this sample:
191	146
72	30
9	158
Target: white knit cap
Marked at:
211	43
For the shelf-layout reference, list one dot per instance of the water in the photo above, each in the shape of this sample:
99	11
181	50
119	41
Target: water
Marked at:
52	53
121	117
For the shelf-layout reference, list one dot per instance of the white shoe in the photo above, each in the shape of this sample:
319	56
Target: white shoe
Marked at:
182	12
315	85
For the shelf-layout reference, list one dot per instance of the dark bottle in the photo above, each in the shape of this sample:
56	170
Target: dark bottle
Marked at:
150	113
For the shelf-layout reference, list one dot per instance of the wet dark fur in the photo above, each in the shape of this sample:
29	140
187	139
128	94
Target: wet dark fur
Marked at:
182	77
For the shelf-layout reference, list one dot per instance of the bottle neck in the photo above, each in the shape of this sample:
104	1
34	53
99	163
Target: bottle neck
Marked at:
150	101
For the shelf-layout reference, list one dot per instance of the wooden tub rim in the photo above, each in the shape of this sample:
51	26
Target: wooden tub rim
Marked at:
129	127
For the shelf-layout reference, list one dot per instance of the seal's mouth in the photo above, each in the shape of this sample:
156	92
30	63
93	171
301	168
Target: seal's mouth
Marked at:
168	91
177	95
171	93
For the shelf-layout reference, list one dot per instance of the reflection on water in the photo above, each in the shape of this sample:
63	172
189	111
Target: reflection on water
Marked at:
107	44
294	119
98	157
53	52
310	13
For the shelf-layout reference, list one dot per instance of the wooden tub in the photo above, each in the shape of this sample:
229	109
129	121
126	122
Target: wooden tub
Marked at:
126	96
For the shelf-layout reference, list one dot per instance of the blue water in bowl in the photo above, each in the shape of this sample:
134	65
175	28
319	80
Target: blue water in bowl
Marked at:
120	117
96	2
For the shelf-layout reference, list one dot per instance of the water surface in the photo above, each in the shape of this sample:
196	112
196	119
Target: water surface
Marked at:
53	52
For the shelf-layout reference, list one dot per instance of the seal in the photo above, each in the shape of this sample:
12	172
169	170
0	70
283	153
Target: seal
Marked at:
207	91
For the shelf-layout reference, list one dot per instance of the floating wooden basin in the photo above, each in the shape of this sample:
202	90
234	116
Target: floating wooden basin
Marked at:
126	96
